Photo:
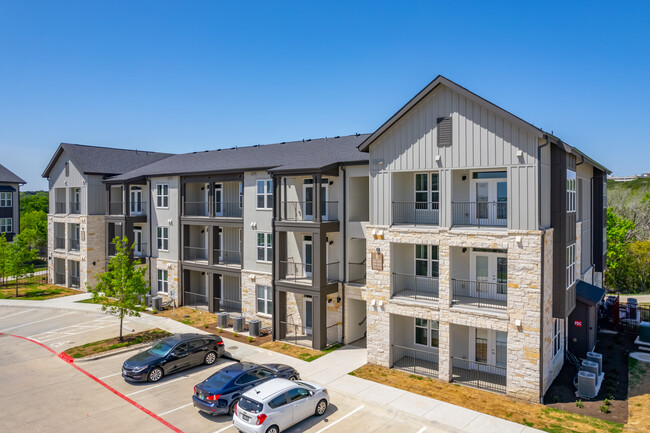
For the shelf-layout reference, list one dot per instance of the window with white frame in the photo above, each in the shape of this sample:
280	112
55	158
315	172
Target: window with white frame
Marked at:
162	195
264	247
163	281
264	299
264	194
570	191
570	265
426	332
163	238
6	199
6	225
427	191
557	337
426	260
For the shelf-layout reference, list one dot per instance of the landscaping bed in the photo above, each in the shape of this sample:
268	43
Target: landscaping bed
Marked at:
111	344
35	292
530	414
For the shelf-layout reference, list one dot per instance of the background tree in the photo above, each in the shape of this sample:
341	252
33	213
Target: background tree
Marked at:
19	260
4	254
33	217
122	288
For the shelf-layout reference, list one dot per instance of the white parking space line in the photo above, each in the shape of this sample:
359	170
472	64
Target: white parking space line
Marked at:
422	429
157	386
110	375
79	328
174	410
340	419
34	323
15	314
225	428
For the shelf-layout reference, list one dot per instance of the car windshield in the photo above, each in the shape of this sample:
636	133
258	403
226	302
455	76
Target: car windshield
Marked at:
161	348
306	385
219	379
250	405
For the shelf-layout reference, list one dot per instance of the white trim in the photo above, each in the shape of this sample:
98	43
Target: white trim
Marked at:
266	193
162	196
268	247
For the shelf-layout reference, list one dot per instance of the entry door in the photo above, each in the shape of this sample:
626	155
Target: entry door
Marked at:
137	235
219	244
490	271
217	290
490	347
491	198
309	315
308	206
307	253
136	201
218	199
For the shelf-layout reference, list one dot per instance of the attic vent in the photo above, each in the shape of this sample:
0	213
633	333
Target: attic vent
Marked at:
444	131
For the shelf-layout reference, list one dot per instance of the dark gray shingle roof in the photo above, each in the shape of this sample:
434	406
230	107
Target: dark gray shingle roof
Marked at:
104	160
9	176
295	155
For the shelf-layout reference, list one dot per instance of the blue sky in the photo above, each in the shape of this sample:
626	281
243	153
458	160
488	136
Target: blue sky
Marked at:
185	76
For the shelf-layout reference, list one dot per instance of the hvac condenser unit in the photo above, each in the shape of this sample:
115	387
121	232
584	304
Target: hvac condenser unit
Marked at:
586	384
590	366
597	358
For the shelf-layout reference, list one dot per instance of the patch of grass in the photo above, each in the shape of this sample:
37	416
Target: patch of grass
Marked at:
304	353
36	292
115	343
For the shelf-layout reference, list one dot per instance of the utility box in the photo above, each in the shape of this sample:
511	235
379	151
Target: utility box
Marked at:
644	332
254	328
238	323
156	303
222	320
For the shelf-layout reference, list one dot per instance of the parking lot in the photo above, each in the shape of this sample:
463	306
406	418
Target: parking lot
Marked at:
41	392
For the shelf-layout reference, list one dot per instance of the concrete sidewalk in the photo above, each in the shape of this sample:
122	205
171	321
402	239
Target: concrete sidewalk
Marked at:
330	370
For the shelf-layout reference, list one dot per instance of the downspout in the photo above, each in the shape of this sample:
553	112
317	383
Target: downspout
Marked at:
345	250
150	219
541	309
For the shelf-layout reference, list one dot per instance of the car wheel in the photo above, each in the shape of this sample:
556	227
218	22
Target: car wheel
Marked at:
210	357
293	378
321	407
273	429
231	409
155	375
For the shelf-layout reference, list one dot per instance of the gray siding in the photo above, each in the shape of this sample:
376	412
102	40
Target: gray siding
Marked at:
168	217
262	219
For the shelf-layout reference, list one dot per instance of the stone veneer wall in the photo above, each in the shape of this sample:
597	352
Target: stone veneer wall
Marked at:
552	366
173	276
250	279
524	300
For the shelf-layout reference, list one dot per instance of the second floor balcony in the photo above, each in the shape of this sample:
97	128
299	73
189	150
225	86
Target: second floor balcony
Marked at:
75	207
416	213
217	210
304	211
480	213
480	294
414	287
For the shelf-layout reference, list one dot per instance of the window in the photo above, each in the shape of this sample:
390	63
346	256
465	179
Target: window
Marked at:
427	194
67	169
6	225
264	194
278	401
605	193
264	247
241	195
570	191
6	199
296	394
163	238
570	265
264	300
162	195
426	332
557	337
163	282
196	344
426	260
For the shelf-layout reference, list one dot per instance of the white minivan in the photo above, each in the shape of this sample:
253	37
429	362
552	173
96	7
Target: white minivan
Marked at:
278	404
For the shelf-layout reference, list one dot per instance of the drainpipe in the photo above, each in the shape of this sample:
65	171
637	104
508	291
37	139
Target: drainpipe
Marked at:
345	250
150	219
541	304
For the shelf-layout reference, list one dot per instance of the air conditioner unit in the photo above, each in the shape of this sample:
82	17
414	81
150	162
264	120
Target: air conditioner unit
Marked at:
586	384
591	367
597	358
156	303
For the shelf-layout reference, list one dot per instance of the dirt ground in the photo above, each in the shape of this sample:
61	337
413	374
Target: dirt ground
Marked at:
36	292
115	343
615	350
529	414
639	397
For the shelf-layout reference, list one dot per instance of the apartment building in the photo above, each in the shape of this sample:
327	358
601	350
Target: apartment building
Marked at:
9	202
480	225
451	238
79	204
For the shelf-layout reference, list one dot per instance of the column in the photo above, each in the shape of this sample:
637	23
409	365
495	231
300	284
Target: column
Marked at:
319	328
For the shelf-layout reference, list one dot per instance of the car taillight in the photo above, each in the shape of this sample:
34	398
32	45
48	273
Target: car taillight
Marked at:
219	343
195	390
261	418
235	409
213	397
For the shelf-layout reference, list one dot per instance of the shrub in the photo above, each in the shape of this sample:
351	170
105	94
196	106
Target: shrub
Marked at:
234	334
607	402
604	408
251	339
205	326
154	311
579	404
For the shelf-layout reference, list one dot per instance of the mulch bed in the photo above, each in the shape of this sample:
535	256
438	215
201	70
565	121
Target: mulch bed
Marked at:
257	341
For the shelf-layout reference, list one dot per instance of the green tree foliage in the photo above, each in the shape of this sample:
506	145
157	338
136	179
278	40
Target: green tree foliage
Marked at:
4	254
19	259
619	234
122	288
33	217
34	200
628	259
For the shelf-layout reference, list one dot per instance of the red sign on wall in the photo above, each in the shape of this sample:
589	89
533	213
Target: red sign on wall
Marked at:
578	323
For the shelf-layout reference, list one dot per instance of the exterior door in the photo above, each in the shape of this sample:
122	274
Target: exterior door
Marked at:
307	253
308	194
489	271
219	254
136	201
308	316
137	235
490	193
300	404
218	199
490	347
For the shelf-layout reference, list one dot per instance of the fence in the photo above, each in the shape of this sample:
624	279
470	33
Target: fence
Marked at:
196	208
304	210
227	305
415	287
227	257
195	253
479	375
418	213
32	279
479	294
479	213
623	316
415	361
296	334
195	300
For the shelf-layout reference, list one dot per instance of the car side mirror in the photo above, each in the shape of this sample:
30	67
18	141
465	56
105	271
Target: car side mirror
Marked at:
311	393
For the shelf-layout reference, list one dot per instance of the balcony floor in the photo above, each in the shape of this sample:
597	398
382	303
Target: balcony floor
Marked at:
413	295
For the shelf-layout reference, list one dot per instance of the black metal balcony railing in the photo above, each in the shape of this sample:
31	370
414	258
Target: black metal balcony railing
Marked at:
59	278
416	361
59	243
417	213
479	375
304	210
196	208
73	244
295	271
227	210
116	208
480	214
227	305
74	281
195	300
357	272
195	253
75	207
224	257
415	287
140	250
479	294
59	207
297	334
137	208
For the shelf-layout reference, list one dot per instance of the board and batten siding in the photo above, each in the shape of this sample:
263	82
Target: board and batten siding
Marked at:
481	139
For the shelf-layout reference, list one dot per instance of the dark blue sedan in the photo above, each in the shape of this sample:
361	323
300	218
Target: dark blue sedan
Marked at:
219	393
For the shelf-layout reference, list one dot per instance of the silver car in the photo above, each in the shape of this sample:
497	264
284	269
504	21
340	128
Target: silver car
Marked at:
278	404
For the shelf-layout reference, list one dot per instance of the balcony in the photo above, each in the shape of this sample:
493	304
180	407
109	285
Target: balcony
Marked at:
416	213
479	375
74	281
140	250
73	244
59	278
479	213
198	301
59	207
304	210
479	294
116	208
196	208
414	287
75	207
227	305
415	361
357	272
195	254
301	273
227	210
137	208
59	243
224	257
